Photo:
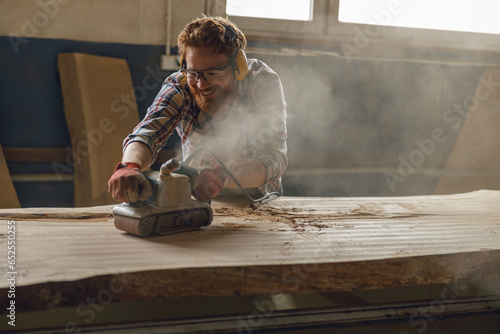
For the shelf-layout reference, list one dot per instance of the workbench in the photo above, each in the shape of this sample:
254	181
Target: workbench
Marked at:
73	261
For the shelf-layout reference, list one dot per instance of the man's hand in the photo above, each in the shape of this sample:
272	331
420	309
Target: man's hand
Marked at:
128	184
210	183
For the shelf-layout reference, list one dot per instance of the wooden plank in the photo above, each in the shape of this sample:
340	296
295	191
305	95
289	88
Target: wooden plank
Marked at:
47	154
264	280
100	108
297	245
476	148
58	213
37	154
42	177
8	195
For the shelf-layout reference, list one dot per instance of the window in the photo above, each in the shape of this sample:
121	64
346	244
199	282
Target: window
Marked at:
480	16
442	23
299	10
287	19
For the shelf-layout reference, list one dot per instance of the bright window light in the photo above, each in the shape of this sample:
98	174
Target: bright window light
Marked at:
298	10
482	16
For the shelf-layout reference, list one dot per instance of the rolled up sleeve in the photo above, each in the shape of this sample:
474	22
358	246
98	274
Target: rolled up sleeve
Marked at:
161	118
271	134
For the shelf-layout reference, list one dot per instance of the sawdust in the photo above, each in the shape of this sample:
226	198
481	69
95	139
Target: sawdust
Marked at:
304	221
297	221
223	211
233	225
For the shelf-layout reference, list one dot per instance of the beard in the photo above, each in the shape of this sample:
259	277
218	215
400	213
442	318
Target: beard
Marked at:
201	101
211	104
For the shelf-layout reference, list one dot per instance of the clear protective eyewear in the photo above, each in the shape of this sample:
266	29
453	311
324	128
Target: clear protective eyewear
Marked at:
207	75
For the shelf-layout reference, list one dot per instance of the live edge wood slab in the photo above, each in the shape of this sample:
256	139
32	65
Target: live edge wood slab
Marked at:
291	245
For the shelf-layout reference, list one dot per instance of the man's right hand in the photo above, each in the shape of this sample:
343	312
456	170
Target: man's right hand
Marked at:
128	184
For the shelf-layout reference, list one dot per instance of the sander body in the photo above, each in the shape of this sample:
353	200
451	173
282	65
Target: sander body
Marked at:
169	210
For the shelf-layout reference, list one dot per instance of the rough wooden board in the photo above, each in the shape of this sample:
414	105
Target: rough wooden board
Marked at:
476	149
8	195
455	269
290	245
101	110
35	154
105	211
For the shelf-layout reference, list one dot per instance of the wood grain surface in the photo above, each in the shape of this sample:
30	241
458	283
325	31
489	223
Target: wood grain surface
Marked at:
291	245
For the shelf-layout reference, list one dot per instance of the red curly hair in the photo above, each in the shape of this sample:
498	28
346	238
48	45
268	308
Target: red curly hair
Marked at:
211	32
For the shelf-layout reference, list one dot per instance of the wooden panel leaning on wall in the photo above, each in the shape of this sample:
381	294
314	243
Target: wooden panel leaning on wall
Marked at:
8	195
101	110
474	162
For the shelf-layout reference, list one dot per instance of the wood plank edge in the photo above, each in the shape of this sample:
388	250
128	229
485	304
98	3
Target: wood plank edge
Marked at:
259	280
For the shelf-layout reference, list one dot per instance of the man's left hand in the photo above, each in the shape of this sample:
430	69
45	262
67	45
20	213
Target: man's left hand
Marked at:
211	182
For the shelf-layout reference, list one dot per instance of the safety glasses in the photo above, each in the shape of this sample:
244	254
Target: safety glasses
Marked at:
209	75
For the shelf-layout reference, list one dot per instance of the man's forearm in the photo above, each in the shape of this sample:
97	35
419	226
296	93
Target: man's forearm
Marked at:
250	173
138	153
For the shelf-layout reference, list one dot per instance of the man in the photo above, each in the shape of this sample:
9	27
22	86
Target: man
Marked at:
219	102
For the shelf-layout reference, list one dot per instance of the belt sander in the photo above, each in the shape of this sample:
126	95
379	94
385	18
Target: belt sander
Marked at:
169	210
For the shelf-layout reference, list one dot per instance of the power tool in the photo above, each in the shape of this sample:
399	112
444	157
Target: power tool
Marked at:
169	210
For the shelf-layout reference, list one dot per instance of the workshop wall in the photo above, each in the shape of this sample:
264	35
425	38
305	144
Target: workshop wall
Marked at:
352	124
32	34
108	21
371	128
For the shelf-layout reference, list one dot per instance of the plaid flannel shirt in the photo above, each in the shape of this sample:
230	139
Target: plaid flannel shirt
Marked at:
257	122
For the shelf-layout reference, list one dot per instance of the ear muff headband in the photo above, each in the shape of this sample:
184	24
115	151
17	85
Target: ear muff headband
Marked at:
240	66
239	58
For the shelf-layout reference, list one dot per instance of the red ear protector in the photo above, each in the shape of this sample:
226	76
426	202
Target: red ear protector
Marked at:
240	66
